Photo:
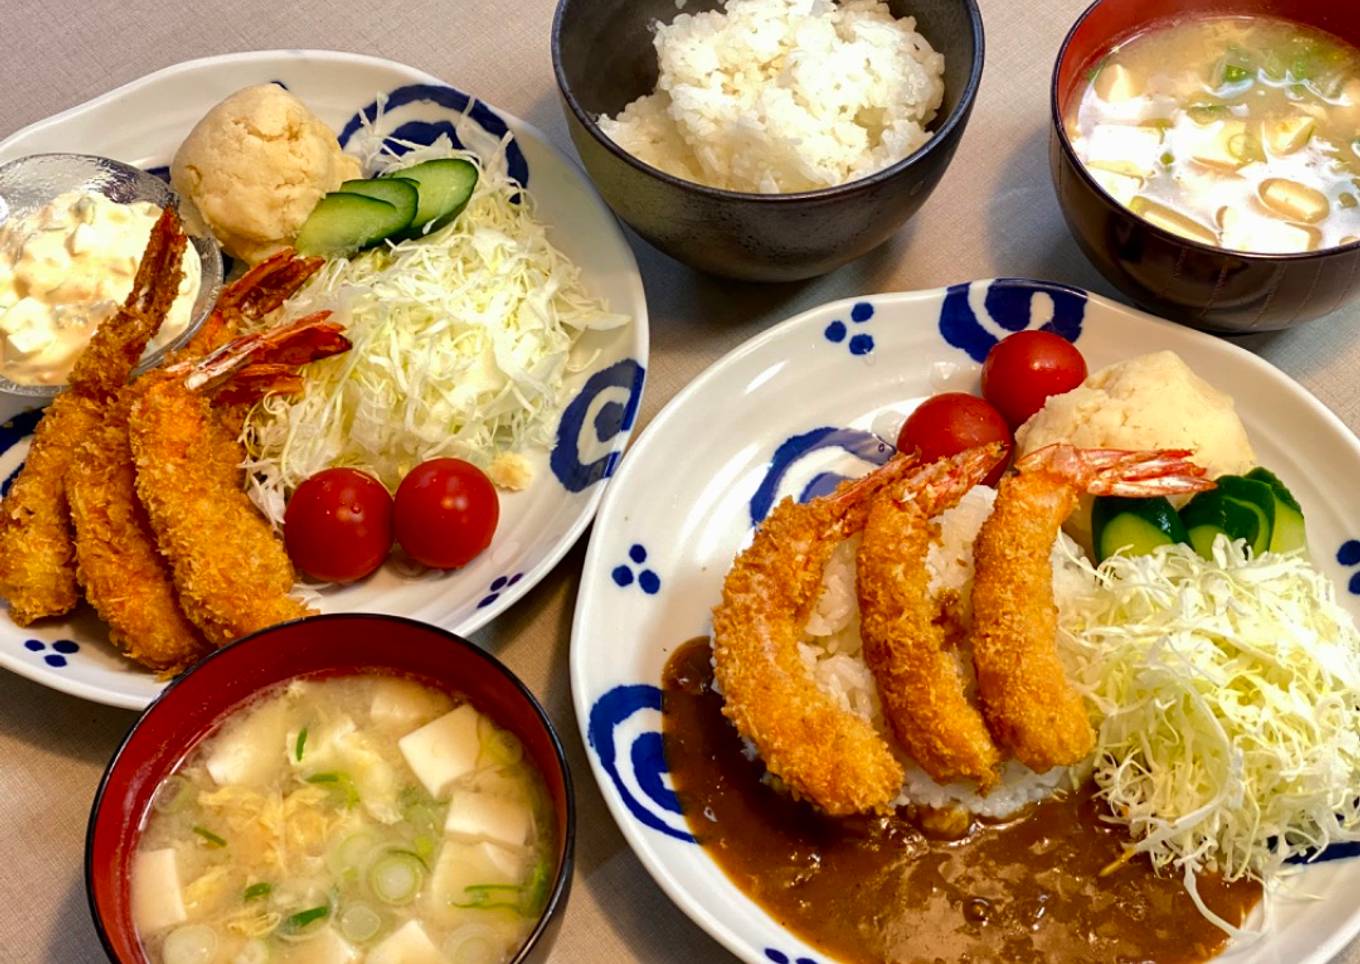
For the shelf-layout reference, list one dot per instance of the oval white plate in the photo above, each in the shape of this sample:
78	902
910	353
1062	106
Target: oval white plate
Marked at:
787	413
144	122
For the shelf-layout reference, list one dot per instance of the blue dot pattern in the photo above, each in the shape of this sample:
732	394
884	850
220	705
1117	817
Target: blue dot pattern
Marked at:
862	312
1349	555
861	344
61	649
779	957
624	576
835	332
497	585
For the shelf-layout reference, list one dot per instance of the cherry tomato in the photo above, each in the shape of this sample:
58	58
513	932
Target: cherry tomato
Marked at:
338	526
447	512
1024	369
951	423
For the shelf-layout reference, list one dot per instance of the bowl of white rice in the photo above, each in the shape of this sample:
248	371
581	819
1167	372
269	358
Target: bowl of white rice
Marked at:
766	140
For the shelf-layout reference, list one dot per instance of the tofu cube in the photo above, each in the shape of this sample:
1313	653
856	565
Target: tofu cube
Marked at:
408	944
247	752
1115	83
474	817
325	947
1286	135
444	750
401	705
1221	146
1127	149
464	865
157	901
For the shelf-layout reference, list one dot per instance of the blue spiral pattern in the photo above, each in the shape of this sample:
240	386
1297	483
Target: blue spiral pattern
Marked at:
622	382
645	755
1008	304
422	124
864	445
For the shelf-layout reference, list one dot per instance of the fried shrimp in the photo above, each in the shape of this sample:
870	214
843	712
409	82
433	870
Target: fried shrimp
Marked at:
1027	701
822	752
919	679
121	570
37	556
232	574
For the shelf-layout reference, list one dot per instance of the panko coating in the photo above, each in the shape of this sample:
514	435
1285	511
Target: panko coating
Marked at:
255	166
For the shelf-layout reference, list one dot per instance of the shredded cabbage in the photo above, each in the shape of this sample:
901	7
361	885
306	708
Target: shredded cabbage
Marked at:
1230	695
463	340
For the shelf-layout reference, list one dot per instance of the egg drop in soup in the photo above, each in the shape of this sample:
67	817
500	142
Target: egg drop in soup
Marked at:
1242	133
360	819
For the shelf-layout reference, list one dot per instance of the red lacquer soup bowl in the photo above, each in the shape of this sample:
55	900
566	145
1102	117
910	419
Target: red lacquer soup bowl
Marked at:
323	646
1228	292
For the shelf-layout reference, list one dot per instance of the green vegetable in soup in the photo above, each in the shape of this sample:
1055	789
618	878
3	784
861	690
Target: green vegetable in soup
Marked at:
345	791
301	744
395	878
303	919
257	891
212	839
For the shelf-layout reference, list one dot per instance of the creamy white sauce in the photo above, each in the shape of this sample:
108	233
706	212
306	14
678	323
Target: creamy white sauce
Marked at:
64	269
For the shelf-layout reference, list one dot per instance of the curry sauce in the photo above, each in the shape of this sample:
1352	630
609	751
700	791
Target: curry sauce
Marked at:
877	889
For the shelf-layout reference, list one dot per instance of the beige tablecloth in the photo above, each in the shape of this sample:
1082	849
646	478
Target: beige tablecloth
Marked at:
993	214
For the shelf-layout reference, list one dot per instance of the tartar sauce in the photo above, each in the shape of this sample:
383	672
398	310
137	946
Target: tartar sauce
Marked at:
66	267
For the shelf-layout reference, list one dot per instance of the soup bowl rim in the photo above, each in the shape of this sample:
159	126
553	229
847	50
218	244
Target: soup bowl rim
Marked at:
938	134
557	895
1059	131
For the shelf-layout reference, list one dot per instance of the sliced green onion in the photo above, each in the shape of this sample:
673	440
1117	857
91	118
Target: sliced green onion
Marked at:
1167	158
490	897
302	918
473	944
301	744
256	891
395	878
347	857
213	839
172	794
1233	74
536	890
358	922
344	785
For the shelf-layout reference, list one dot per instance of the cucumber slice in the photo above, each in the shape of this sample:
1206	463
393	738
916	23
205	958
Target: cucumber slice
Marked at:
445	187
400	192
341	224
1136	526
1289	532
1259	496
1209	513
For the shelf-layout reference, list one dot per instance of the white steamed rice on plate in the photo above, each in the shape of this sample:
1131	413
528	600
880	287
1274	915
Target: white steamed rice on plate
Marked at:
831	649
778	96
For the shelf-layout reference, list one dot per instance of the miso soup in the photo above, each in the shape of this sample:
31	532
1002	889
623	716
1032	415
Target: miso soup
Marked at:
1237	132
346	820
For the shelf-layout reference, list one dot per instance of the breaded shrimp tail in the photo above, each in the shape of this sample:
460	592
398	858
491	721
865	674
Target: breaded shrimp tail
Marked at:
919	679
232	574
822	752
37	556
1029	705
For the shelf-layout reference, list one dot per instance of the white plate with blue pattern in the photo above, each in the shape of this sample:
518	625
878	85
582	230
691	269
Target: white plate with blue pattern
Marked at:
143	123
790	413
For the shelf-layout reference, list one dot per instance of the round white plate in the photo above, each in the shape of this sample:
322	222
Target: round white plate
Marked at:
789	412
144	122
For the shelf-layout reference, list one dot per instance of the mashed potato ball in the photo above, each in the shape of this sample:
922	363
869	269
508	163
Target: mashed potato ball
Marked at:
1150	402
256	165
